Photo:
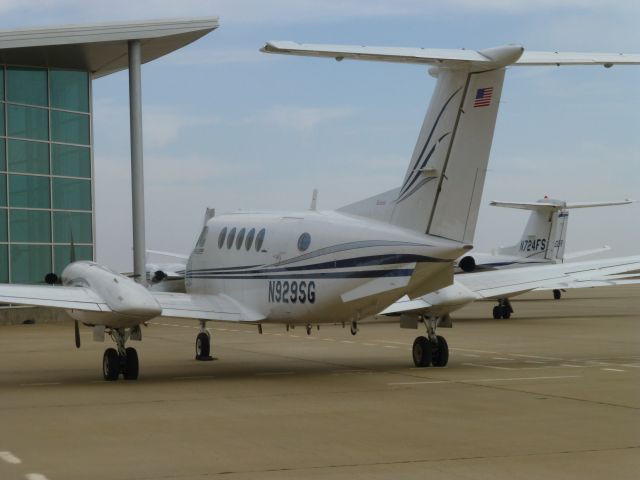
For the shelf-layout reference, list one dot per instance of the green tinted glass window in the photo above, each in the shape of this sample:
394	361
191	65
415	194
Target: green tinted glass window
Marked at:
30	226
27	85
62	255
30	263
3	190
28	157
77	224
3	150
70	161
69	90
2	132
4	264
71	194
3	225
1	82
29	191
69	127
27	122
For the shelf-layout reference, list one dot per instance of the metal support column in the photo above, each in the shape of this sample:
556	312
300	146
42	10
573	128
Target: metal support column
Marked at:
137	173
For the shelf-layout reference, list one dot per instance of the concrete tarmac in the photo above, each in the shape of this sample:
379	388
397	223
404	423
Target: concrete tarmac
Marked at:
554	392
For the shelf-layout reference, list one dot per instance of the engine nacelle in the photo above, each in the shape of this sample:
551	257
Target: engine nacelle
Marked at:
467	264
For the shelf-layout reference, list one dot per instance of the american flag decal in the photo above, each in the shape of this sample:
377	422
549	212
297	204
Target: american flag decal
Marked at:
483	97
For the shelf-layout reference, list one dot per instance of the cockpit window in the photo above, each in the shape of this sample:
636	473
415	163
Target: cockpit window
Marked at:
221	237
240	238
250	235
304	241
203	237
231	237
260	240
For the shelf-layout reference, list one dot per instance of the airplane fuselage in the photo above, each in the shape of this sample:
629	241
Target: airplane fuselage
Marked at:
315	267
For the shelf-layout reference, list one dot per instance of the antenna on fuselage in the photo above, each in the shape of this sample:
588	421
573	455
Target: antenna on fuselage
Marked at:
209	213
314	200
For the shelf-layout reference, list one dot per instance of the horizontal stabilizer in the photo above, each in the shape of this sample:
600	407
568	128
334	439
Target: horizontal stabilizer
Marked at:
584	253
556	205
492	57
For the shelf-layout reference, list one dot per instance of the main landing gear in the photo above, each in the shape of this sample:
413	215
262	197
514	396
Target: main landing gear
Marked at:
503	309
124	360
203	343
432	349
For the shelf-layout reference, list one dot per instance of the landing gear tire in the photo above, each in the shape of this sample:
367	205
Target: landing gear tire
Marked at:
502	310
440	355
203	347
309	327
110	364
354	328
422	352
557	294
131	364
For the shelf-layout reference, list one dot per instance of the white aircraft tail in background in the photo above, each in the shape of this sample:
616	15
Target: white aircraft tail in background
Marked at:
542	241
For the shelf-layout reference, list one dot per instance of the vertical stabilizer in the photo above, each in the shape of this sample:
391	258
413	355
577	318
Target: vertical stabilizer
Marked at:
544	236
442	188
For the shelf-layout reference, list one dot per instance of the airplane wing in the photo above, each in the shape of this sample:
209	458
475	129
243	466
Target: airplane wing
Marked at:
510	282
174	305
406	305
496	284
204	307
79	298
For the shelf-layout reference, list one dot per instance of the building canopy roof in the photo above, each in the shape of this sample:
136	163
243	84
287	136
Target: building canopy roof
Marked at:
101	48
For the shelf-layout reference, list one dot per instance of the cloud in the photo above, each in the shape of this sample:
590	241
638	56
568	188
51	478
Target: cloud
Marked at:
215	56
161	125
282	11
299	118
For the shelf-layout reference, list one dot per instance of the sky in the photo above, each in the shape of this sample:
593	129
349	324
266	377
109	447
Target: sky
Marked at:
228	127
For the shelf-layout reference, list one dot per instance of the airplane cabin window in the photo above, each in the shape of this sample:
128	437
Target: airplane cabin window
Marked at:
231	237
240	239
304	241
250	235
260	240
223	234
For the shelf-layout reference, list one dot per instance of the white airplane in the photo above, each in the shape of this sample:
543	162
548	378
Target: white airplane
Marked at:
434	309
316	267
543	238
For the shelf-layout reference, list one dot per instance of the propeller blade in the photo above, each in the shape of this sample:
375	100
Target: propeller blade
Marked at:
77	332
72	254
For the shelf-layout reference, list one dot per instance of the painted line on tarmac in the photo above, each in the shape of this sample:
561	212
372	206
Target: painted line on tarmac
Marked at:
266	374
40	384
487	366
10	458
35	476
612	370
194	377
472	380
535	356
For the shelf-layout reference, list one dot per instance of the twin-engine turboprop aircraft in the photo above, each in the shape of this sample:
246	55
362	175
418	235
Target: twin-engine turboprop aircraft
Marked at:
326	267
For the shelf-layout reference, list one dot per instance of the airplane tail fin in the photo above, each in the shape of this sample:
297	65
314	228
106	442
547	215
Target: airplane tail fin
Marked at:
441	191
545	233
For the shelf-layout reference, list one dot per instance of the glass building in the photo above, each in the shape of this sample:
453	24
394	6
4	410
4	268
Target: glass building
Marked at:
46	186
46	145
